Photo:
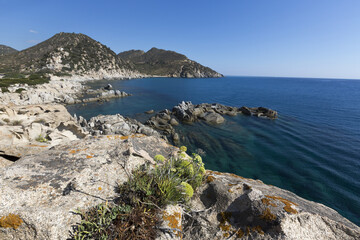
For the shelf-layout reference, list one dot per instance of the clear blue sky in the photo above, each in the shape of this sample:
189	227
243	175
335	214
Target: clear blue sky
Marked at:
305	38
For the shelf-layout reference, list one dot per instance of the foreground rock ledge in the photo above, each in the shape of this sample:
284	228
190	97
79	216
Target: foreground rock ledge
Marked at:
39	192
44	189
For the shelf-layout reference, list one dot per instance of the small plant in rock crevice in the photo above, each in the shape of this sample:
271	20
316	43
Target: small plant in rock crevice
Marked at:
149	189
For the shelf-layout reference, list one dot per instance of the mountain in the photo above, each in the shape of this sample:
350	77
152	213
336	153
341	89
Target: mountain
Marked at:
161	62
78	56
69	54
5	50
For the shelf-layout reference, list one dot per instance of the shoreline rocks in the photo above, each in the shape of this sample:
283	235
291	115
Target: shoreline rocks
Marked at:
33	128
42	191
186	112
114	124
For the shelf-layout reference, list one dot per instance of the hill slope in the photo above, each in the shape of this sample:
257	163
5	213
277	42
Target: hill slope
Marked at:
70	54
161	62
79	56
5	50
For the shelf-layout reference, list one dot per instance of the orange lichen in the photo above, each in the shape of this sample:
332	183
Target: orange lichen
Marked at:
225	218
288	204
267	215
114	137
230	190
230	184
73	151
173	222
10	221
99	188
34	145
247	231
89	156
268	202
258	229
210	178
239	233
226	235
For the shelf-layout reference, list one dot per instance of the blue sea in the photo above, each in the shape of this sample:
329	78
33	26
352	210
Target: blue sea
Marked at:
312	149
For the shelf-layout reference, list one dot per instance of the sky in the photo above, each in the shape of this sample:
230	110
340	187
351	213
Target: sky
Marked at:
286	38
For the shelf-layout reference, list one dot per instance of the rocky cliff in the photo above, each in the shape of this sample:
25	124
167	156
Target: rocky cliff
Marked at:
159	62
5	50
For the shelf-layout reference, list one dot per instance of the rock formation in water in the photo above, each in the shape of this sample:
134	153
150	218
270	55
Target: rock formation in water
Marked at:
186	112
159	62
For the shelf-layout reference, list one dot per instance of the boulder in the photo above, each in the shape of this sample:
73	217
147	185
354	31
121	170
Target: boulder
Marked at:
173	122
42	192
150	112
228	206
33	128
212	118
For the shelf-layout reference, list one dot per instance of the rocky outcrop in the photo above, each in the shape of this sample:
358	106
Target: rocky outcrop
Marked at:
115	124
34	128
53	92
40	193
232	207
159	62
186	112
259	112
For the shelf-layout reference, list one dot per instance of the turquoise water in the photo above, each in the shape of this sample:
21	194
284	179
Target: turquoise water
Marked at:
312	149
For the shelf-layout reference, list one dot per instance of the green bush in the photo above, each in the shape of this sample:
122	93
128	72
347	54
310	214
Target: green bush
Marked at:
163	184
19	90
4	89
148	189
95	223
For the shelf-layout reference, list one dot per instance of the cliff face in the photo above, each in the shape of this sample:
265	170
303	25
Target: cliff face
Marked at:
6	50
160	62
69	54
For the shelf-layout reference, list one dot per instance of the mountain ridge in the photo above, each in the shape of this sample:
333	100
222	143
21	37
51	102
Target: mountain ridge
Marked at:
6	50
166	63
78	55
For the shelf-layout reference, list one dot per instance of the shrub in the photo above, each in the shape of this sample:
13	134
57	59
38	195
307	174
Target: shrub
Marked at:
19	90
159	158
42	139
95	223
148	189
4	89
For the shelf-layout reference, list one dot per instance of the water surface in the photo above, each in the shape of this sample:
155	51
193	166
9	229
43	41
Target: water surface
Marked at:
312	149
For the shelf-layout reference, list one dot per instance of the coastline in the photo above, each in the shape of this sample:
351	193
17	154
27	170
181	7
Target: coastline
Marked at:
286	218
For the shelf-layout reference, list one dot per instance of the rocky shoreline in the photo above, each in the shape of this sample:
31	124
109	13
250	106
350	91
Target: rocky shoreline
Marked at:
58	91
52	164
187	113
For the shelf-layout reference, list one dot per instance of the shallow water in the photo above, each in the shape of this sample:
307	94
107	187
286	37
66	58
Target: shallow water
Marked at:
312	149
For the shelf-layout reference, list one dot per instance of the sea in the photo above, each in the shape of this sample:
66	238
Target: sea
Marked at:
312	149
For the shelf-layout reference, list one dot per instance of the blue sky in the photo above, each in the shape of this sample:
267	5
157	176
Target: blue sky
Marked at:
304	38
